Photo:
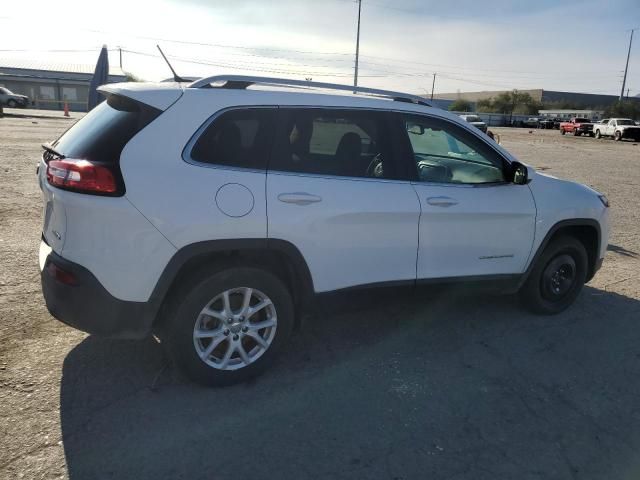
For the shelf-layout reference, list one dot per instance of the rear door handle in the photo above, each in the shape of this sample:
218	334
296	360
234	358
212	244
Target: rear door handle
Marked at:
442	201
299	198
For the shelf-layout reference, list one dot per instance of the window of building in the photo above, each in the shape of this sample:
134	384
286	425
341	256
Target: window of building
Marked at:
47	92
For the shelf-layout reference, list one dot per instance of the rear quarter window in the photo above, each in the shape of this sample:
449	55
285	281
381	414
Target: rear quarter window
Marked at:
100	136
239	138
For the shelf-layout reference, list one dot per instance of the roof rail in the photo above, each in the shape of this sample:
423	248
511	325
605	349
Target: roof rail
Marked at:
242	82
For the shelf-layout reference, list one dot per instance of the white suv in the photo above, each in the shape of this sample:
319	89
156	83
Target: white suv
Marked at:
214	213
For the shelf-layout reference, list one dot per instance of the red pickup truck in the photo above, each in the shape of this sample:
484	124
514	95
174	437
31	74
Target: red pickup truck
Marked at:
577	126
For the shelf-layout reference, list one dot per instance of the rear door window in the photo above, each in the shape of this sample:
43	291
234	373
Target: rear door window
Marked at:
237	138
346	143
101	135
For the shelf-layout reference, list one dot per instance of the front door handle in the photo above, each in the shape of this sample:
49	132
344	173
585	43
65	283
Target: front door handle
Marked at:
442	201
299	198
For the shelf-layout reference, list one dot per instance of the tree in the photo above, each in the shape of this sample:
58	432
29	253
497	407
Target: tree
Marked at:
509	103
461	105
485	105
132	77
624	109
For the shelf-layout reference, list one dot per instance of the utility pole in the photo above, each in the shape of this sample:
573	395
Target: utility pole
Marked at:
624	81
433	85
355	77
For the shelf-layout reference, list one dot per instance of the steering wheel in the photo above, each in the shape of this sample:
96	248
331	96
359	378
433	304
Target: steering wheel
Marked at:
375	167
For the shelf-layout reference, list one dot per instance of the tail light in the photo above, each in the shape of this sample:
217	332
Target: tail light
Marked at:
61	275
83	176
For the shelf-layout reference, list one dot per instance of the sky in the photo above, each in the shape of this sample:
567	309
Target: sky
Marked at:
470	45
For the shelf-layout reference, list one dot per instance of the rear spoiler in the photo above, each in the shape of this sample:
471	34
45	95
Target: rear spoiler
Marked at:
157	95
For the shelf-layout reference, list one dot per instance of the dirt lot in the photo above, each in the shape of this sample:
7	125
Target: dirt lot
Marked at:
453	386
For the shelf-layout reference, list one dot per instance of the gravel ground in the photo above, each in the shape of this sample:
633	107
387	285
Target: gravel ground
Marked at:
456	385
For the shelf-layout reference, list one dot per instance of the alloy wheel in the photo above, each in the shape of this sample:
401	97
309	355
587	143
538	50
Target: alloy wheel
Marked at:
235	328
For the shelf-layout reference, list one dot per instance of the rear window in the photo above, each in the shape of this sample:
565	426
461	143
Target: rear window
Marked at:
582	120
237	138
101	135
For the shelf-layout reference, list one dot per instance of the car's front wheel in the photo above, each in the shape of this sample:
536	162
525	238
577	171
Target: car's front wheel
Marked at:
617	136
229	326
11	103
597	134
557	277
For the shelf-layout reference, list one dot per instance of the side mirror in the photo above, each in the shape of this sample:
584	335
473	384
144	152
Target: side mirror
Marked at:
519	173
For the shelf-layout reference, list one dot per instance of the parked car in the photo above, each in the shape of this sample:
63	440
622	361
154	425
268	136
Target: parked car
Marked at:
618	128
546	123
577	126
476	121
214	214
532	122
12	100
600	125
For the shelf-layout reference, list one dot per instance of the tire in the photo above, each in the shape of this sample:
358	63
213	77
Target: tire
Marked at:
557	277
617	136
186	313
597	134
562	132
11	103
576	133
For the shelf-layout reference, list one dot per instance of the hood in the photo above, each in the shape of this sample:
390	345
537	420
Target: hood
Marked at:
560	183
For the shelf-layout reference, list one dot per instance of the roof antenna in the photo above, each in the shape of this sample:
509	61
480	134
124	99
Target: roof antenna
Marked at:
176	77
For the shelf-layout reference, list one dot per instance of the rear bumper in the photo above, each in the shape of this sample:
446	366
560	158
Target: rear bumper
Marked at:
87	305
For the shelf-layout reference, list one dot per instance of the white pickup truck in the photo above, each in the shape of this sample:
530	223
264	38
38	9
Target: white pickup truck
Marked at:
618	128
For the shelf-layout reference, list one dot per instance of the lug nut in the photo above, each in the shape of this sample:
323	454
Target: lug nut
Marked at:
245	329
236	337
226	333
229	321
241	319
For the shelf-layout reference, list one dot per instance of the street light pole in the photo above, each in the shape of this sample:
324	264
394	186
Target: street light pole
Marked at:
626	68
355	77
433	85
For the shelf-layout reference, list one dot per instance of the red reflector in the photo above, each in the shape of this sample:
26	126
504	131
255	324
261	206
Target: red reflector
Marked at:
61	275
81	175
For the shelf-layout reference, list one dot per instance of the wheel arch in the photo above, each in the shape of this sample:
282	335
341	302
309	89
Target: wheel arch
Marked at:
586	230
279	257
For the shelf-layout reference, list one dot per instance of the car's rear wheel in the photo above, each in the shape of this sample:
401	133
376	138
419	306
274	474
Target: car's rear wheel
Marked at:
557	277
11	103
617	136
229	326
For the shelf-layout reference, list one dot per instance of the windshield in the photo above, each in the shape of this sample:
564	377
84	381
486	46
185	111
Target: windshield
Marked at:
625	121
582	120
473	118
